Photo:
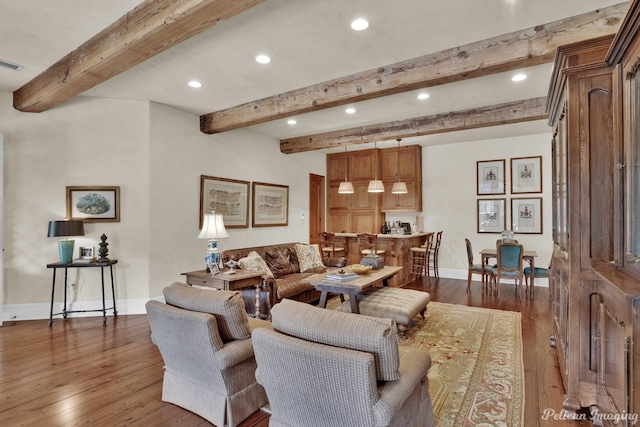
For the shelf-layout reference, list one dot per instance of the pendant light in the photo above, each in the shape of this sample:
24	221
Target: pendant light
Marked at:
399	187
375	185
346	187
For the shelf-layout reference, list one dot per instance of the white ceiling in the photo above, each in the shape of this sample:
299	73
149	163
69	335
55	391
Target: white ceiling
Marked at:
309	42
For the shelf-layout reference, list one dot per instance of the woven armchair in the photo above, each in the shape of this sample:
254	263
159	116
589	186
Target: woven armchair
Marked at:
324	367
204	337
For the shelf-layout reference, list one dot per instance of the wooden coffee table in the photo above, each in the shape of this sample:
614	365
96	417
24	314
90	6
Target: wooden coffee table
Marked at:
351	287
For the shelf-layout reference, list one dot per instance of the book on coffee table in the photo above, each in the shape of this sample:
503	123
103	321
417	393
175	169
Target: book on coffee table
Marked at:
337	277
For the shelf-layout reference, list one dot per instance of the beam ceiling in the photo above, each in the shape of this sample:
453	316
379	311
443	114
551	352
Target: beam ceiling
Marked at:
516	50
510	112
148	29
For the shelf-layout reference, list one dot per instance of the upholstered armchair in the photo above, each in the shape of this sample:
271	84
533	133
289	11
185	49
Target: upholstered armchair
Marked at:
324	367
510	265
204	337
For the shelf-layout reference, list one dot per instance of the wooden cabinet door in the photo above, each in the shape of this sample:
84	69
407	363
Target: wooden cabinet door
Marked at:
337	165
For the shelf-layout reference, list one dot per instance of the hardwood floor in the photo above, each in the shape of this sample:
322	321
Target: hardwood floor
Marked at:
81	372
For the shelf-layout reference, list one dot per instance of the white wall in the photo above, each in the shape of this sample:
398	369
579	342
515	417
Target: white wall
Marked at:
156	155
450	200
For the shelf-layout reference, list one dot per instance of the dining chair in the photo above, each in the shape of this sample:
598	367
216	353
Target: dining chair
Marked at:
330	245
485	271
538	272
432	262
368	244
510	260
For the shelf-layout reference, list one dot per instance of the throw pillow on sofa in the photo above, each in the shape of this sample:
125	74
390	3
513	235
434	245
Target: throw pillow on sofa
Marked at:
279	262
308	256
254	262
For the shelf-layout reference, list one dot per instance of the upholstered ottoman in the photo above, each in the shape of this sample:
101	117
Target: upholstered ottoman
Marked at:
398	304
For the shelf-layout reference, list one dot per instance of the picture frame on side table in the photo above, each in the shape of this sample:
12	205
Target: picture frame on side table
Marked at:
491	215
228	197
526	175
270	205
526	215
490	177
86	253
93	203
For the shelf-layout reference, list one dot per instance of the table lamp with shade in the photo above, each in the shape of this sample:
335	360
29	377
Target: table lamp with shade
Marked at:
212	230
65	228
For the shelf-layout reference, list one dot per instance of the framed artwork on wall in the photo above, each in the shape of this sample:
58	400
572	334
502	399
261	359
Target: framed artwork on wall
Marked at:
526	215
490	177
228	197
491	215
526	175
93	203
270	205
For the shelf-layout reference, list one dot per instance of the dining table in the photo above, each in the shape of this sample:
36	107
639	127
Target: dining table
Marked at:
528	256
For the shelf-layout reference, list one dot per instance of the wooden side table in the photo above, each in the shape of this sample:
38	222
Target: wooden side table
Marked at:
230	282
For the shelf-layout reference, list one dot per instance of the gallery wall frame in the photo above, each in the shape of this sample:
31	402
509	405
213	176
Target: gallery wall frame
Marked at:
93	203
490	177
270	205
491	215
228	197
526	215
526	175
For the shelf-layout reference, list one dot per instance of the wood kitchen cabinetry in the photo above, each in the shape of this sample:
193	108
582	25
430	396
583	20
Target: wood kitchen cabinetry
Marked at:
408	160
364	211
358	212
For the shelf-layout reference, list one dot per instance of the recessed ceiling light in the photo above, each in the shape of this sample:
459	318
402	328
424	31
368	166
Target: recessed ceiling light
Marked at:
359	24
291	121
423	96
350	110
518	77
263	59
195	84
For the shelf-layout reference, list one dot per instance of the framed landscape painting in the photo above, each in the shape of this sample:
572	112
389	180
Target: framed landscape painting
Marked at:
270	205
491	215
228	197
526	175
93	203
490	177
526	215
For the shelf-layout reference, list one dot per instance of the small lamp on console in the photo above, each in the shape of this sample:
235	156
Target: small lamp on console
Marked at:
65	229
212	230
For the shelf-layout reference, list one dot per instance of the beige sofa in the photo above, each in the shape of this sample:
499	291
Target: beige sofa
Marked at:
286	279
317	374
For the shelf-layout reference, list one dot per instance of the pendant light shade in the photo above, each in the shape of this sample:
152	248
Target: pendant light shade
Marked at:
399	187
375	185
346	187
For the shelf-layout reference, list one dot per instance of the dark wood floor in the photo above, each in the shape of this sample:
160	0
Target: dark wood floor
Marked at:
80	372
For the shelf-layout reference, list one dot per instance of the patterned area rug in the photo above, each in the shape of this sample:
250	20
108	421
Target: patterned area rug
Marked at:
476	376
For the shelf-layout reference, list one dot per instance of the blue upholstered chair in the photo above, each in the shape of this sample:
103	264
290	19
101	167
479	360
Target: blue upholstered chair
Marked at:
538	272
483	270
509	264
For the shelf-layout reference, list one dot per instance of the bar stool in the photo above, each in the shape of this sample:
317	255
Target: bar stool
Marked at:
368	244
330	246
420	257
432	262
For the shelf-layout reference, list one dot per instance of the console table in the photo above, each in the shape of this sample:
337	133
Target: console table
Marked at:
101	265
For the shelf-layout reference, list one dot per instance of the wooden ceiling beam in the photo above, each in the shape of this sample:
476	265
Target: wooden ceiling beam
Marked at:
511	112
519	49
148	29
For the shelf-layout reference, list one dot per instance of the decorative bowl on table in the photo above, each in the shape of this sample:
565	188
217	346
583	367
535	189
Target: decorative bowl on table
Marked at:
360	269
